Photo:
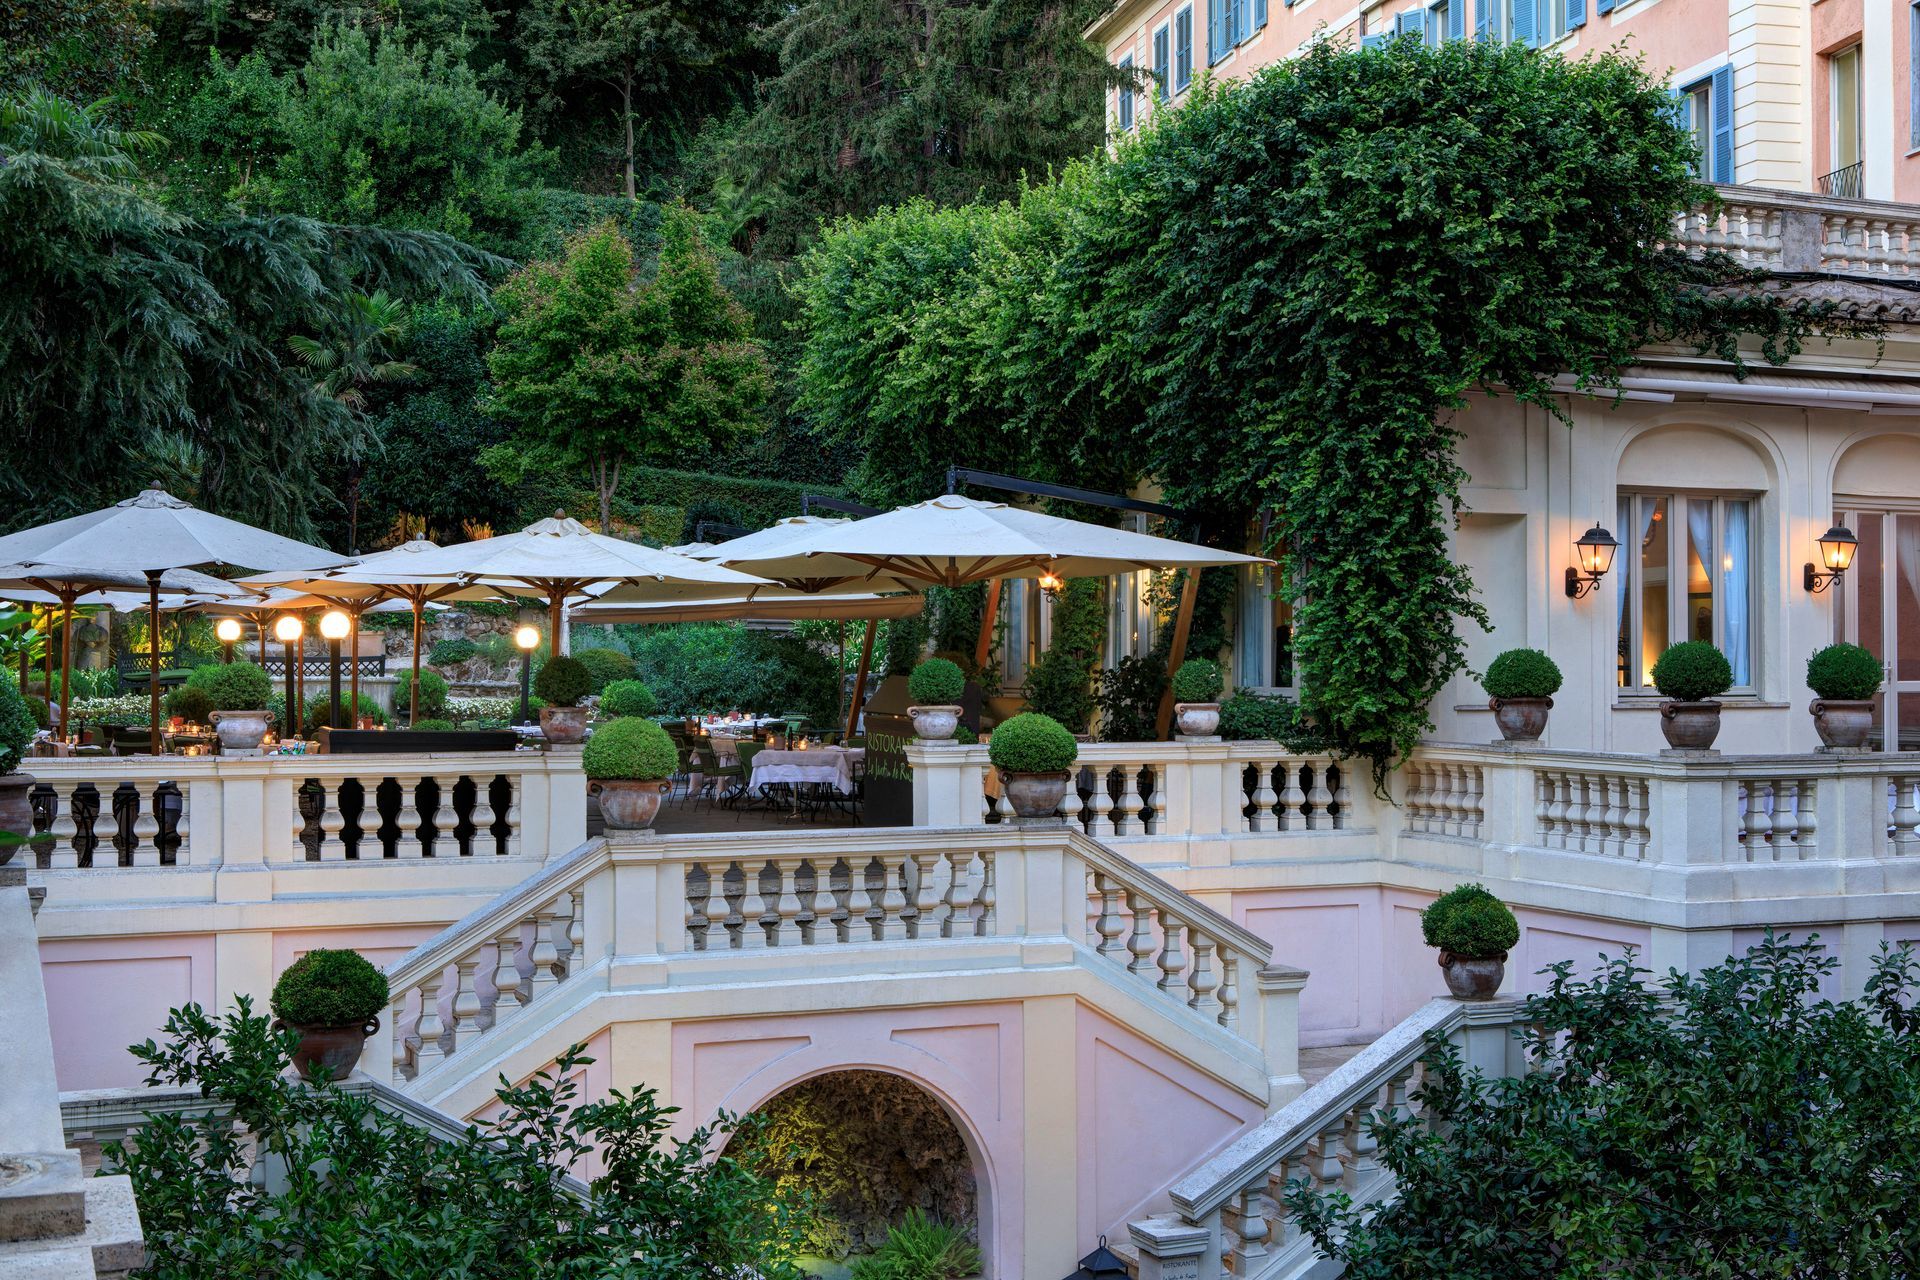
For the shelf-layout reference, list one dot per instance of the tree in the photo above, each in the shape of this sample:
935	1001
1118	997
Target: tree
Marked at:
128	332
349	361
1729	1124
79	49
598	368
227	137
876	103
364	1193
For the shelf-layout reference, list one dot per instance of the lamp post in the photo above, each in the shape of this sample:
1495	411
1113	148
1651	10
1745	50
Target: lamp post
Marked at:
528	638
334	625
289	631
227	631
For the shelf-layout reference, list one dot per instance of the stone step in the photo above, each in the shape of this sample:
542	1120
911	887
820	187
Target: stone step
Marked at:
107	1246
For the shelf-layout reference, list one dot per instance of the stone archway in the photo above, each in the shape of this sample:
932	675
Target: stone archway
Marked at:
872	1145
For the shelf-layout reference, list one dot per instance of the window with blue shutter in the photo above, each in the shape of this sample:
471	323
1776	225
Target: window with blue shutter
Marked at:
1219	30
1183	49
1259	14
1242	20
1521	25
1486	19
1161	71
1720	99
1413	21
1456	19
1576	14
1125	113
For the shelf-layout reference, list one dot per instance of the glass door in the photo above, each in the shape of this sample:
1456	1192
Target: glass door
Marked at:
1880	611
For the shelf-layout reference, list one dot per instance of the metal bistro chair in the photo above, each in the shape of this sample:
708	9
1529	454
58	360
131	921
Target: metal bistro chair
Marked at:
720	783
742	795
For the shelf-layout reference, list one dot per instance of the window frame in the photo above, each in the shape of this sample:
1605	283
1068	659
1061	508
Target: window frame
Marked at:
1439	11
1852	53
1638	684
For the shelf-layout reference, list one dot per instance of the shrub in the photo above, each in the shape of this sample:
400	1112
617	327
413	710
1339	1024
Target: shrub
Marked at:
191	702
1692	671
433	694
563	681
1032	743
1844	673
432	726
41	710
965	736
605	666
920	1248
628	698
1247	717
452	652
1198	680
233	686
1129	698
1522	673
16	726
937	682
330	988
1470	923
630	747
316	711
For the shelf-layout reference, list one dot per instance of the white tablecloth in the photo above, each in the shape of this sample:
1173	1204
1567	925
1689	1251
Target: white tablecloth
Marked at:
830	765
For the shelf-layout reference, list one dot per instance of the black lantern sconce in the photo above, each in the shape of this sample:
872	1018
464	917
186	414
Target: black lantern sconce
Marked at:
1837	546
1594	550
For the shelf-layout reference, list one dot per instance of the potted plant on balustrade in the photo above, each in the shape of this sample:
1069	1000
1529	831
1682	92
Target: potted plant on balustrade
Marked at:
238	693
16	737
626	698
1196	698
1693	674
563	685
1520	685
935	687
1474	931
333	1000
628	762
1844	678
1035	755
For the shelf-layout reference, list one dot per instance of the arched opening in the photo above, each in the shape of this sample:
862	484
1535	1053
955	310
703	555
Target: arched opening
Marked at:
871	1147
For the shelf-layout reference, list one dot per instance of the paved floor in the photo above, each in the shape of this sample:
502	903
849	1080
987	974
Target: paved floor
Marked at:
1318	1062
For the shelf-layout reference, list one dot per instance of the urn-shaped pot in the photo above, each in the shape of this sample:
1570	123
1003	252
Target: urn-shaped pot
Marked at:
337	1048
1035	795
1520	719
564	724
1690	726
241	730
934	724
628	804
1842	725
1197	719
1473	979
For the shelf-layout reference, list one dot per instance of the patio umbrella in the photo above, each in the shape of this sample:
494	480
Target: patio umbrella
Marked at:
150	534
768	606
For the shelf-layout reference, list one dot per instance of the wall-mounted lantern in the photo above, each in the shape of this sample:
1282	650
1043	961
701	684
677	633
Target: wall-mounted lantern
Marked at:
1836	554
1051	582
1593	553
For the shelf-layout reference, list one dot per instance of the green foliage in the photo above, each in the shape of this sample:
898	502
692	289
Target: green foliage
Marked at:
330	988
1198	680
920	1248
1844	673
1129	699
701	667
433	693
432	726
233	686
191	702
368	1193
452	652
317	709
630	747
1687	1127
1471	923
1060	683
1032	743
598	368
904	641
1692	671
81	49
563	682
228	135
605	666
1522	673
628	698
42	713
937	682
16	727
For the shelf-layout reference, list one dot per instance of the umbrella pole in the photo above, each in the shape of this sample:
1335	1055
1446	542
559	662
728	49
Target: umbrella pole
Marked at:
46	652
1182	624
153	660
354	698
860	679
555	621
66	655
989	619
413	694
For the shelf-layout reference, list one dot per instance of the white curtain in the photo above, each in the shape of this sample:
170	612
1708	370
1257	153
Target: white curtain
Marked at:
1631	573
1734	590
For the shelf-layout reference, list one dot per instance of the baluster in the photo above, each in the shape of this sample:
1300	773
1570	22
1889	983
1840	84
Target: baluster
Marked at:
1758	827
1156	799
1072	808
1203	981
445	818
786	906
543	955
1293	797
1127	819
1140	944
861	926
430	1028
1319	799
576	928
715	909
1642	817
1325	1163
753	907
1557	792
183	829
406	819
893	901
820	929
1807	825
986	801
989	894
1343	797
925	900
1905	816
1612	812
333	821
513	817
484	842
1542	807
146	826
403	1068
1246	1216
1295	1166
466	1002
65	850
1003	807
506	975
1785	818
1229	990
1173	958
1270	808
1101	803
1107	925
954	923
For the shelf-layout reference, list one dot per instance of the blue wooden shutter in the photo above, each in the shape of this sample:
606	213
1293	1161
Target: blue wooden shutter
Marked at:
1183	49
1720	103
1456	19
1162	73
1378	41
1522	28
1242	20
1413	20
1219	29
1125	111
1603	6
1486	19
1576	14
1259	14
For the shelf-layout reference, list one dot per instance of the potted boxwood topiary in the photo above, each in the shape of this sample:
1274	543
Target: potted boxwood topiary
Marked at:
1034	754
1196	697
1520	685
1692	674
16	736
333	999
239	692
628	762
627	698
935	686
563	684
1844	678
1474	931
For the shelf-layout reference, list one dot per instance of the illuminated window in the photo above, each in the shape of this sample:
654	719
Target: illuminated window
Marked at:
1685	573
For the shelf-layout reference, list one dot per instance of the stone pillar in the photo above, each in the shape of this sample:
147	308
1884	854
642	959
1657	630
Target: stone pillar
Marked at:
1279	989
1174	1250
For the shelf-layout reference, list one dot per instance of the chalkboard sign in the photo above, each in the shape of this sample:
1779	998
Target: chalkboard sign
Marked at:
889	730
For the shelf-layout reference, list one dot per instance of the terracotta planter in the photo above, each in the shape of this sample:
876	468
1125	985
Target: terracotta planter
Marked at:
1035	795
934	724
564	724
1520	719
16	812
241	730
1197	719
1842	725
1473	979
1690	726
629	804
336	1048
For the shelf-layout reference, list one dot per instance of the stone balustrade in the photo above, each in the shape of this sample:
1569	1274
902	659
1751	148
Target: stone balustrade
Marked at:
97	813
1794	232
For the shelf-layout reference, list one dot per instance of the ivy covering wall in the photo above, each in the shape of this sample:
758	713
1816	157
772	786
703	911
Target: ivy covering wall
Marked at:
1273	301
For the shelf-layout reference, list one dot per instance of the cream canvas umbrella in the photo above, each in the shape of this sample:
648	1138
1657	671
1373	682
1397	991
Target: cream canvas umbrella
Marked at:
767	606
150	534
